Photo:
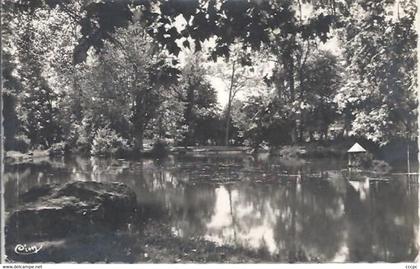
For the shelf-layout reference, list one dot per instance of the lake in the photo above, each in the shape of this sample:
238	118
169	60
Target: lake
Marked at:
257	202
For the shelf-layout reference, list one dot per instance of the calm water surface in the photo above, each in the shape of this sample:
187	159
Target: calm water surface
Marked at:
256	202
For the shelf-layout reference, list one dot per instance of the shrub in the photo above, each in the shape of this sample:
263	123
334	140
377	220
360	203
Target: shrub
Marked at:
380	167
57	149
107	142
160	149
291	152
81	136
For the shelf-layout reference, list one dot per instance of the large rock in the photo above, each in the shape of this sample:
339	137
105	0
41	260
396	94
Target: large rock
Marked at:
58	211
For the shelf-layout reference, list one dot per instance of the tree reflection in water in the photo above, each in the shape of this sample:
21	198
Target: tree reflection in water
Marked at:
294	210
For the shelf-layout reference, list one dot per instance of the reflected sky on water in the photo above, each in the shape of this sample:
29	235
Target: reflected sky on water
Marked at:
257	202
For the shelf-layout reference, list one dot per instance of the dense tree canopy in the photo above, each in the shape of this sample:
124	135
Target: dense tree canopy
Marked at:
380	89
200	102
76	71
254	22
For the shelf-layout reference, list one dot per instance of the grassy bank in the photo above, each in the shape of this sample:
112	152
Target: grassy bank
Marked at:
14	157
159	245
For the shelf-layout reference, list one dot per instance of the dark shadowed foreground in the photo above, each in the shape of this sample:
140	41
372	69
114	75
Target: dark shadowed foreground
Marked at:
224	208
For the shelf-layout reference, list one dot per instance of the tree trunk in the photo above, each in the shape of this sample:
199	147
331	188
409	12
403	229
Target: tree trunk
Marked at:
139	140
229	105
311	135
188	114
289	67
325	132
408	158
227	126
139	123
301	130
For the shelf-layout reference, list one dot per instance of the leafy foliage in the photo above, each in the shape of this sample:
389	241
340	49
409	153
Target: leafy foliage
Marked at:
107	142
141	69
317	90
199	100
381	66
254	22
124	84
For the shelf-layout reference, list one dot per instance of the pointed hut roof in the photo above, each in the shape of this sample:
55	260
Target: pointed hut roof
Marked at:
356	148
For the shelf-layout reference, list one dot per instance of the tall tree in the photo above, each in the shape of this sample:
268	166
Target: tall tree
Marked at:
380	49
317	89
198	96
131	75
37	102
238	74
39	47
